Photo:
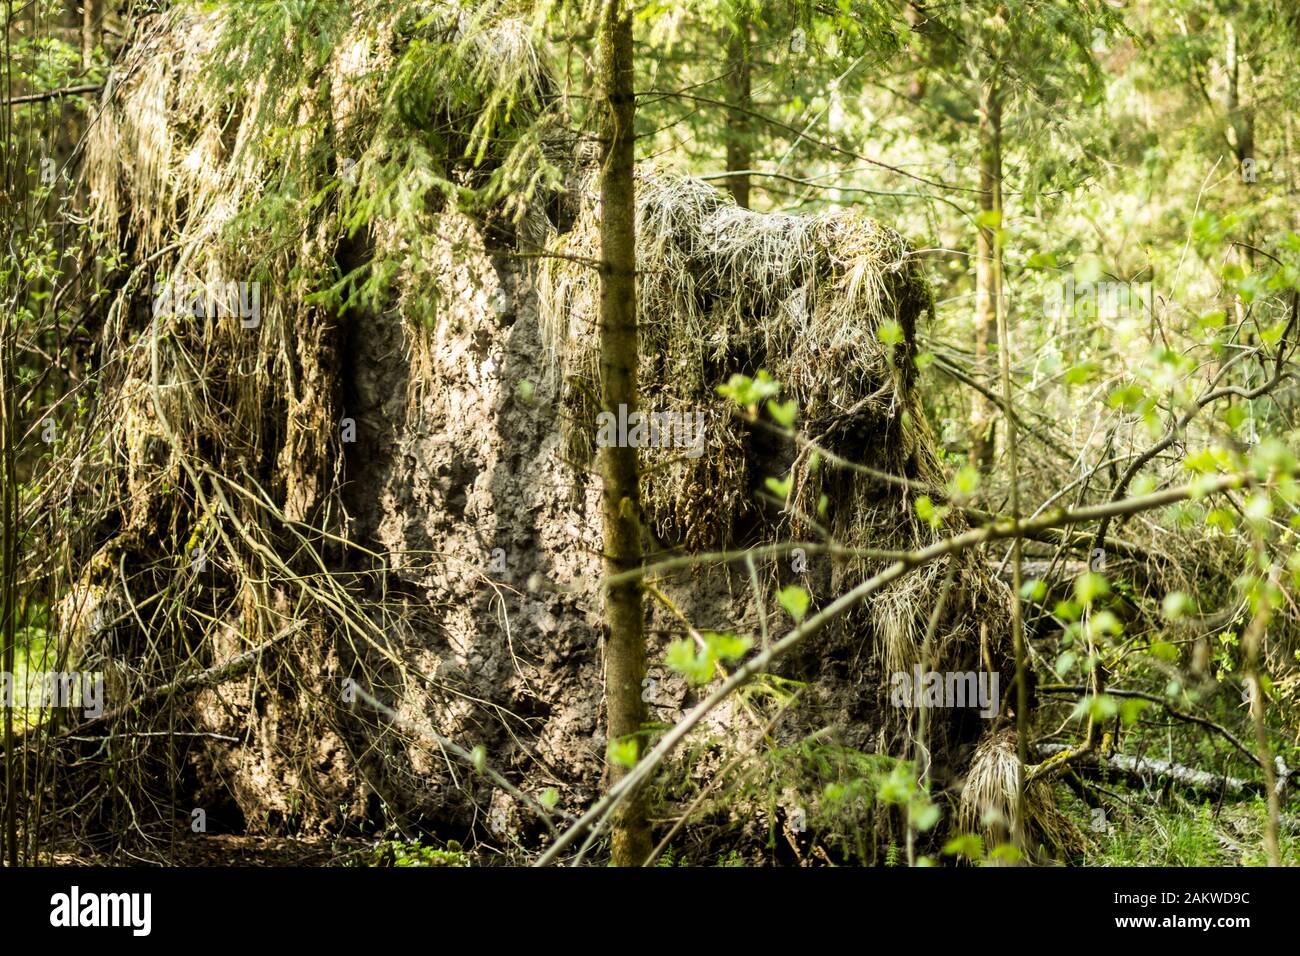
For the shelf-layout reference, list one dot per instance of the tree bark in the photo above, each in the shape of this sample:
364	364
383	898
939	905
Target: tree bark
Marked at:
89	32
620	496
1241	137
1253	639
988	284
10	508
739	127
916	82
1241	117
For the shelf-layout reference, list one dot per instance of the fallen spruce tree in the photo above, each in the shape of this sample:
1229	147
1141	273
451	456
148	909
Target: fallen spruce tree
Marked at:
342	433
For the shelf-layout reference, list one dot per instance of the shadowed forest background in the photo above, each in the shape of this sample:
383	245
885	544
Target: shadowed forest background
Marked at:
721	433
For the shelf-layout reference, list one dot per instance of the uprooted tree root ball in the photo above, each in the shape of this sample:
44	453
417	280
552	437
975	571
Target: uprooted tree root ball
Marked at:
337	540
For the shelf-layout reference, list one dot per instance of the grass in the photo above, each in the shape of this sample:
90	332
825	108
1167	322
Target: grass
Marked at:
1179	832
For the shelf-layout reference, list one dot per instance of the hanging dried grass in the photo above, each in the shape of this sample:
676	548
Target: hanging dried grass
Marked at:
723	290
989	798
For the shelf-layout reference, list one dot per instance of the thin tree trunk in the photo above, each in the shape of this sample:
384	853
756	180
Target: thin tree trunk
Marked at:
1013	462
89	37
1241	137
916	82
988	285
1254	638
9	510
8	584
1241	118
620	497
739	127
8	632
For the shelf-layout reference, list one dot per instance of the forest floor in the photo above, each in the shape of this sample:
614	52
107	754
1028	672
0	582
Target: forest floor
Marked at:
236	850
1162	829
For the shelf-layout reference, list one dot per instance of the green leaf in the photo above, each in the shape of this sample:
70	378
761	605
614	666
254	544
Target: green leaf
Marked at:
968	846
1211	321
1033	590
1203	461
1081	374
1067	611
783	413
1127	397
683	658
1006	853
624	752
1090	586
795	601
1130	709
727	646
1222	518
966	481
1104	622
890	332
1088	269
925	508
1097	706
1258	507
750	391
549	798
1143	485
1164	651
898	787
779	488
1273	334
928	512
923	814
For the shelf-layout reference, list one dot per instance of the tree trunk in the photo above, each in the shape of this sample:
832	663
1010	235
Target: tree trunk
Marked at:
988	283
916	82
739	127
1241	118
9	500
620	497
89	32
1241	130
1253	639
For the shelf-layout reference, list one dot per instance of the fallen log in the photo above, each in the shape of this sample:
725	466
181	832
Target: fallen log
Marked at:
1142	770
